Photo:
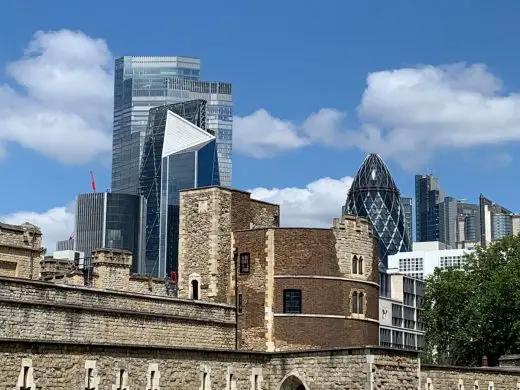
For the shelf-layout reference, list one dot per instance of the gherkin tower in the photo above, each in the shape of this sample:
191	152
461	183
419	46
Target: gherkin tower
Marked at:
374	195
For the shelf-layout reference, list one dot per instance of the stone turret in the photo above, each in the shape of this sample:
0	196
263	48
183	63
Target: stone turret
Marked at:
111	269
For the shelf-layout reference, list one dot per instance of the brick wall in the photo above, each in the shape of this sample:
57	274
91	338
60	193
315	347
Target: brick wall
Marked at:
20	251
45	311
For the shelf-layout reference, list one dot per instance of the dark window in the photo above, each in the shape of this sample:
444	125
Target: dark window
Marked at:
361	303
292	301
360	265
354	302
195	289
276	220
239	304
245	263
354	264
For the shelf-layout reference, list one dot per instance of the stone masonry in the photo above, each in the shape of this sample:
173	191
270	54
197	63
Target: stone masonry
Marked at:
20	250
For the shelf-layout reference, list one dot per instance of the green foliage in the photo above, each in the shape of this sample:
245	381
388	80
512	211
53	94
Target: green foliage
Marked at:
475	311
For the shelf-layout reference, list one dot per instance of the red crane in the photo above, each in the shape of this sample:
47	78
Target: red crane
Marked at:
93	182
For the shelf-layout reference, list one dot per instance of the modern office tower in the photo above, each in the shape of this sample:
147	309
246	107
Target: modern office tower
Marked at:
65	245
425	257
448	221
408	216
496	221
468	224
515	224
145	82
108	220
373	194
428	195
400	324
179	153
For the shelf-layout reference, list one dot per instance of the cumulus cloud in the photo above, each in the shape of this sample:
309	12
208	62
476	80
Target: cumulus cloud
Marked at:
315	205
60	100
402	111
56	224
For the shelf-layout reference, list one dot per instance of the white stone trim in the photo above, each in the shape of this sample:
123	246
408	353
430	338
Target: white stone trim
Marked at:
191	278
205	377
256	372
360	317
429	384
371	372
231	380
153	384
327	278
269	294
461	384
475	385
119	385
95	378
26	365
491	386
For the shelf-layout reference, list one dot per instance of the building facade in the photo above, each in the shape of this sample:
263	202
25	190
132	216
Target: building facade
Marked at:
142	83
468	224
178	154
428	195
496	222
400	324
408	216
109	220
425	257
447	210
374	195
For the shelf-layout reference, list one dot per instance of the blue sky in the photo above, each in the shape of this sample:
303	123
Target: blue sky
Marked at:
441	97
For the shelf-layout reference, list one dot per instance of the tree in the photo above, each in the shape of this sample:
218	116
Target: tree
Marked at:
475	311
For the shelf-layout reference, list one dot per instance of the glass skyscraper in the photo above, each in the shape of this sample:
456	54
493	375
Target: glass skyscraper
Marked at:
179	153
108	220
373	194
408	216
428	195
145	82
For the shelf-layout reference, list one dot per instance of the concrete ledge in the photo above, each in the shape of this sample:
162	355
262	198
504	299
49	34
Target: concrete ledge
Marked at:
432	367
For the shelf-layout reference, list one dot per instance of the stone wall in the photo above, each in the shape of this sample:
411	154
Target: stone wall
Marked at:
491	378
46	311
21	251
207	218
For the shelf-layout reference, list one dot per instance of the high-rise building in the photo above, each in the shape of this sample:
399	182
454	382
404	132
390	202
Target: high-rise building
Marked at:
448	221
516	224
428	195
408	216
468	224
179	153
373	194
145	82
108	220
496	222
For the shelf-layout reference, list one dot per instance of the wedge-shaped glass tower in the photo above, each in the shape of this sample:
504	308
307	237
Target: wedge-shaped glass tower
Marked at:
179	153
373	194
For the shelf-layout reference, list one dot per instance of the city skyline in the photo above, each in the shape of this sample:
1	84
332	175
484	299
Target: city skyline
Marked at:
301	122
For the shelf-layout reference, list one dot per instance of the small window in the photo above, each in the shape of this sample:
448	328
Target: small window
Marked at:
354	302
195	289
244	263
292	301
355	265
361	303
360	265
239	304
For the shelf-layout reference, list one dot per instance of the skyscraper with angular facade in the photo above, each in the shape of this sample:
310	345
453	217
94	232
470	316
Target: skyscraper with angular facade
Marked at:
373	194
141	83
179	153
408	216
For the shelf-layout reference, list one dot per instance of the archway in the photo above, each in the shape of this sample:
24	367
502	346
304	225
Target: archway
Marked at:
292	383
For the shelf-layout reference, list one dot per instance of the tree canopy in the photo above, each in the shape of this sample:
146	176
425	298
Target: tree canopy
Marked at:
475	311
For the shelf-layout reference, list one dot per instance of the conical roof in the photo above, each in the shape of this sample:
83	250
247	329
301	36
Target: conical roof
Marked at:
374	195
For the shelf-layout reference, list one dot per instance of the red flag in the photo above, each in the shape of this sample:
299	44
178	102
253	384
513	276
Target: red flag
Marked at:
93	182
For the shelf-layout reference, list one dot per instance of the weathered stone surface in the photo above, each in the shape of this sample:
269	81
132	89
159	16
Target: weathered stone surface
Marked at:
492	378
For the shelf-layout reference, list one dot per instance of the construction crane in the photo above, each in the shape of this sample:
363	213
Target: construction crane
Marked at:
93	182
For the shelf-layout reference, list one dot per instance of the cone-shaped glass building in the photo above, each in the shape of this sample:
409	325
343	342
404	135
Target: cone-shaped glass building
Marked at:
373	194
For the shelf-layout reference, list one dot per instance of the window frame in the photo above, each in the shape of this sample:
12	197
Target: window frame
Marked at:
244	263
288	291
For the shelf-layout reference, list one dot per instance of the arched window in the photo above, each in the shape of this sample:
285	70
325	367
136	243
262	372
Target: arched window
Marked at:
354	264
361	303
195	289
360	265
354	302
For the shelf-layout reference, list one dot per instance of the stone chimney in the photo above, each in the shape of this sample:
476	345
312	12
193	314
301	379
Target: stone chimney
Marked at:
484	361
111	269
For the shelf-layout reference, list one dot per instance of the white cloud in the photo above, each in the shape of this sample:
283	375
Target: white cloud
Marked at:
56	224
61	102
403	111
313	206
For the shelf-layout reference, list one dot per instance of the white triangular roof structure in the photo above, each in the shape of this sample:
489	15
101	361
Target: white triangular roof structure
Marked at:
181	136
